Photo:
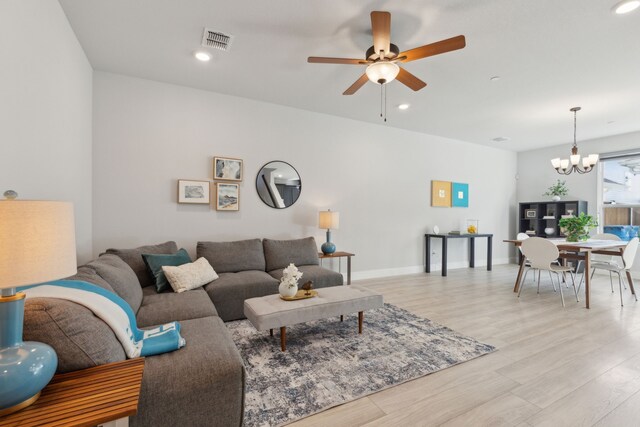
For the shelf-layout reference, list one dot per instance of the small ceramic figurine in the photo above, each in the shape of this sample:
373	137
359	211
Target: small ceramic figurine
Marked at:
307	287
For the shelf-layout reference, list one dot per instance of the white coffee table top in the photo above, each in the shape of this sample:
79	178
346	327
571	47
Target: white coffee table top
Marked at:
271	311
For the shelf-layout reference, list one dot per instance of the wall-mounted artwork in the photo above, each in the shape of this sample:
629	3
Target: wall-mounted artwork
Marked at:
459	195
441	193
227	197
193	192
227	169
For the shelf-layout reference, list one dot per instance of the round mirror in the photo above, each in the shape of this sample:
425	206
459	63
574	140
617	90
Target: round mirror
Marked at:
278	184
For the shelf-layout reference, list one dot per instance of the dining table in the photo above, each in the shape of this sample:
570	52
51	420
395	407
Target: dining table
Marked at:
580	251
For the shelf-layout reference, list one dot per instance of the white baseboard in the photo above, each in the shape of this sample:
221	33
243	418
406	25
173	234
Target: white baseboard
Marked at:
400	271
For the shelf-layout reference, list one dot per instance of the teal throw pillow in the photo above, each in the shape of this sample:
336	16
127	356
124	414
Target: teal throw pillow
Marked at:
156	261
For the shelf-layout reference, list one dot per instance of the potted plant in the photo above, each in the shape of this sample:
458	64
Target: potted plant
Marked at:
577	228
556	190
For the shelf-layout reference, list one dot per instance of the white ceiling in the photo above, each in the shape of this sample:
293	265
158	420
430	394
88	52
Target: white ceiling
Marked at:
551	55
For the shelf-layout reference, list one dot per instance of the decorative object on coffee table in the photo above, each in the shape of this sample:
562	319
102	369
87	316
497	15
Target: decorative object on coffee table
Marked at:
329	220
37	245
194	192
289	281
307	287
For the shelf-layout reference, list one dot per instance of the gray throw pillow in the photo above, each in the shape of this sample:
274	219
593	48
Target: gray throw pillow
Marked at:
121	278
280	253
231	257
133	257
80	339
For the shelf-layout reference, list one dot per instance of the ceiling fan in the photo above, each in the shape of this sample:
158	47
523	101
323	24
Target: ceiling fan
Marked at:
382	58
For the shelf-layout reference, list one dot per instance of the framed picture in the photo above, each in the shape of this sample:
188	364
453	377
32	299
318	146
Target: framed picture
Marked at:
227	197
459	195
197	192
441	193
530	213
227	169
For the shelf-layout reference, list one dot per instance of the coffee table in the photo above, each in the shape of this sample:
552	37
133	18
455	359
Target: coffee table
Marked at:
272	312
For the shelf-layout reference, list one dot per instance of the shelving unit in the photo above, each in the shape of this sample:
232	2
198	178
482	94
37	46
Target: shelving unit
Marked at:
547	215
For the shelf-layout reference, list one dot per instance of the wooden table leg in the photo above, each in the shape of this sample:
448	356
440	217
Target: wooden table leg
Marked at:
348	270
271	332
516	286
633	291
283	338
360	319
587	277
342	317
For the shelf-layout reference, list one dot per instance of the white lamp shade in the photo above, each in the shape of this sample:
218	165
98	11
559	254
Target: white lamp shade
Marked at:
564	163
329	220
575	159
555	162
593	158
585	162
382	72
37	242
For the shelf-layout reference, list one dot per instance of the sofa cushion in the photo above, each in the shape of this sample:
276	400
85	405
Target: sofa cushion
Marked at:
190	276
230	290
80	339
121	278
281	253
88	274
231	257
133	257
155	262
202	384
320	276
158	309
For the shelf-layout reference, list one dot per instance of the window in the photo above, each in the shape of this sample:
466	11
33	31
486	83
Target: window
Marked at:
620	197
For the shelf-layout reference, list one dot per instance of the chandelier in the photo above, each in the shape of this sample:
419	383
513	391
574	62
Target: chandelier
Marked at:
588	162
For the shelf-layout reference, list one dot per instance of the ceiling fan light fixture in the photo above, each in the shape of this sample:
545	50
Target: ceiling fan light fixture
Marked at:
202	56
382	72
626	6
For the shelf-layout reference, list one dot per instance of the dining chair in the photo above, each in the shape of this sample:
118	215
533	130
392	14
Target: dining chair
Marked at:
597	260
542	254
628	256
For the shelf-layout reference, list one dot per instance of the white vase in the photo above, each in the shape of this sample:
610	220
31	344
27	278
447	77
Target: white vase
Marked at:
556	198
287	291
550	231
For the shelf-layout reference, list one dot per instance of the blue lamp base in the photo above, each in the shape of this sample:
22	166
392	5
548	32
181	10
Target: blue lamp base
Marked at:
327	247
25	367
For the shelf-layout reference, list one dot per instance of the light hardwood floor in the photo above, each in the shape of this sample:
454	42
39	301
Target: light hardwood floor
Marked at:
554	366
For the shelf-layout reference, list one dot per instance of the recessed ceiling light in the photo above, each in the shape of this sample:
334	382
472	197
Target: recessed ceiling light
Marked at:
495	78
626	6
501	139
202	56
403	106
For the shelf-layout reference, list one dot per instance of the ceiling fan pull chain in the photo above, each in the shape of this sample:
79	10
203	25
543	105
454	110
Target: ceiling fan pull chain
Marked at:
381	101
385	103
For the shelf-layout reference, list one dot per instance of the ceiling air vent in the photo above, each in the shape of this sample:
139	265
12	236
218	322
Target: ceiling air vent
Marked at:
216	40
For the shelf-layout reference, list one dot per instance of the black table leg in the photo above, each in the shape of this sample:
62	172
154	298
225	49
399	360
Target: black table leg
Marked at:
490	252
472	252
427	249
444	255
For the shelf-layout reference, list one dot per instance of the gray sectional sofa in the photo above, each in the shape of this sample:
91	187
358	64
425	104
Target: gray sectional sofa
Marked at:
202	384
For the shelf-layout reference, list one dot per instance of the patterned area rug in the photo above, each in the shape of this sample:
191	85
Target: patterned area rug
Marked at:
327	363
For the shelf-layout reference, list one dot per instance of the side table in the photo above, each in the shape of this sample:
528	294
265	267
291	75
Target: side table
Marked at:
89	397
340	255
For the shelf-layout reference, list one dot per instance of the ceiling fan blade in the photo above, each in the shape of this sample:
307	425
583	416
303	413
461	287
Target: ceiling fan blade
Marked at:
381	28
410	80
323	60
357	85
436	48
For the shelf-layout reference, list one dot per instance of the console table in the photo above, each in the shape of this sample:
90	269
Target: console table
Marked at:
99	395
472	249
339	255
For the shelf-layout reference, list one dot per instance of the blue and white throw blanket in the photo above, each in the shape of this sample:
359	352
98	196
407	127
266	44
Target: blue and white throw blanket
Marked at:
116	313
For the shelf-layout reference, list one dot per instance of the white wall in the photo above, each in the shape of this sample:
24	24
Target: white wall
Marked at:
45	110
148	134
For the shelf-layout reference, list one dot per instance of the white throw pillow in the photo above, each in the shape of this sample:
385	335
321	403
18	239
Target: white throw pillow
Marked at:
190	276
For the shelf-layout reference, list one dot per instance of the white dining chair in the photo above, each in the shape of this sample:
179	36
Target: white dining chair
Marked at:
542	254
628	257
597	260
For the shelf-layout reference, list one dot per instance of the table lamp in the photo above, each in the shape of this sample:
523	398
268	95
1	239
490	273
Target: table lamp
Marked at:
37	244
329	220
